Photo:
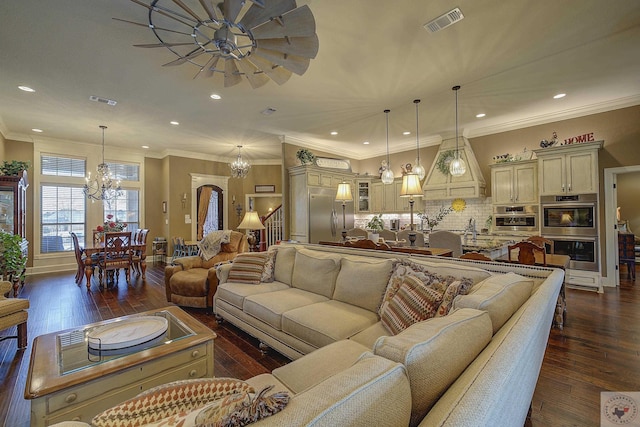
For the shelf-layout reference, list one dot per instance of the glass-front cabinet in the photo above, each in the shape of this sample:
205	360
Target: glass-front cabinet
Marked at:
363	202
13	209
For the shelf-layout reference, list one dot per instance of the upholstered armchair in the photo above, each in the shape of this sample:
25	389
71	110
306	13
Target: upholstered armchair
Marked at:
191	281
13	312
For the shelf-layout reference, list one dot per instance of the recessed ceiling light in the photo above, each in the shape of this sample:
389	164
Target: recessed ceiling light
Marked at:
481	115
334	133
366	143
560	95
406	133
26	88
215	96
173	122
145	146
37	130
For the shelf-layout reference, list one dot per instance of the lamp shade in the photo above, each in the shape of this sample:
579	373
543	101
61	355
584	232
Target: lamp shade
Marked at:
411	186
251	221
344	193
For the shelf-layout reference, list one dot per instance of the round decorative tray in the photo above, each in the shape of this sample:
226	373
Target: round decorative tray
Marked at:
127	333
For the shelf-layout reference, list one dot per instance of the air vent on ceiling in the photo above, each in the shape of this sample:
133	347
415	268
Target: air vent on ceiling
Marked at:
103	100
268	111
444	21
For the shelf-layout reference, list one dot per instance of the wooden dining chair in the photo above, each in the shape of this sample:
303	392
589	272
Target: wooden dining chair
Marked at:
527	253
476	256
542	242
117	254
79	258
140	240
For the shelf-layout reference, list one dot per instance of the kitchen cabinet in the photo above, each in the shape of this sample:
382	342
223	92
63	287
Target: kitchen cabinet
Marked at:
514	182
363	196
568	169
304	183
385	198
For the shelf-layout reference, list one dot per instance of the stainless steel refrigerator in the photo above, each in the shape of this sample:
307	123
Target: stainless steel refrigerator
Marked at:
325	215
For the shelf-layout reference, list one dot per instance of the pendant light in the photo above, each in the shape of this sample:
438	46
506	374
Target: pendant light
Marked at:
239	167
387	174
457	167
418	169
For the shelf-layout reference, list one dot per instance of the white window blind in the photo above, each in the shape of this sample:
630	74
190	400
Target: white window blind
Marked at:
62	166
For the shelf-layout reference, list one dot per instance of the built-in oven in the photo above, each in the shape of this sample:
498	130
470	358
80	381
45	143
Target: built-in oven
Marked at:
515	218
573	215
582	250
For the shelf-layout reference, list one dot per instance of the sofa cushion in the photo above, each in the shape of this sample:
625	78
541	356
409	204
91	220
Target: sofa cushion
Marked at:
326	322
362	283
190	283
169	399
269	307
457	270
315	272
235	293
285	259
500	295
435	352
369	336
247	268
413	302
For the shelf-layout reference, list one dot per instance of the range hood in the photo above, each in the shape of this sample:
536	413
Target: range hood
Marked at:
439	185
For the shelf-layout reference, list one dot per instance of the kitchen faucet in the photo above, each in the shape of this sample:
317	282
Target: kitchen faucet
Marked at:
471	227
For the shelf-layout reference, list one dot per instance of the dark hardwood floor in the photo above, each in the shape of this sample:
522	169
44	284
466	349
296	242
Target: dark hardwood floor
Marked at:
598	350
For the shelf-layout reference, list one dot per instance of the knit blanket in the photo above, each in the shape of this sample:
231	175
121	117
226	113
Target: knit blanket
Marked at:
210	245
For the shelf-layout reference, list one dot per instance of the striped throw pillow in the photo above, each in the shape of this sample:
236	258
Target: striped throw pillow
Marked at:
412	303
247	267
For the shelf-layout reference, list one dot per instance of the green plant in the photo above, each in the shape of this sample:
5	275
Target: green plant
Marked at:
13	168
376	223
443	161
433	221
305	156
13	261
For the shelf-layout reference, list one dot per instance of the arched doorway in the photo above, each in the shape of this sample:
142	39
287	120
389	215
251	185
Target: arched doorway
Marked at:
209	205
200	180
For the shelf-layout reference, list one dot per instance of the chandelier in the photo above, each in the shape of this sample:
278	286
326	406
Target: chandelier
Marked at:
239	167
103	186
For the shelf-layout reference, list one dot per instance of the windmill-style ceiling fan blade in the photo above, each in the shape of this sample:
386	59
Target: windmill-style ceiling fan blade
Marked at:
291	62
259	3
207	69
231	73
256	15
251	72
307	47
163	45
210	9
278	74
231	9
296	23
187	9
154	27
161	12
194	53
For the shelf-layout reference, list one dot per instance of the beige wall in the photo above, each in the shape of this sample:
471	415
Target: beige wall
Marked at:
153	197
2	144
629	199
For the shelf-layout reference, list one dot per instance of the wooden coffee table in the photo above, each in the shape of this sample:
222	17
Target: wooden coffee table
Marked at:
69	380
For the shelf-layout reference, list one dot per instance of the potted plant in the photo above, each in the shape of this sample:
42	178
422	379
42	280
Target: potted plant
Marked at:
375	226
13	168
305	156
13	261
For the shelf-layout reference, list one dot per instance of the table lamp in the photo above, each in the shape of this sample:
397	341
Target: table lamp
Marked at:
411	188
344	196
251	221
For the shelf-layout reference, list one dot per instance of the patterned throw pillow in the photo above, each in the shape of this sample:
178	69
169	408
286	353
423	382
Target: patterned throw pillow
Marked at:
247	267
269	268
261	406
413	302
459	287
169	400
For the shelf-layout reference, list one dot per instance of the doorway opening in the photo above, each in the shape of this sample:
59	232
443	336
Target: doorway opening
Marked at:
209	208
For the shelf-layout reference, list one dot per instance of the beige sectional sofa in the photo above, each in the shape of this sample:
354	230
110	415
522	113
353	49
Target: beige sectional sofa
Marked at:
476	366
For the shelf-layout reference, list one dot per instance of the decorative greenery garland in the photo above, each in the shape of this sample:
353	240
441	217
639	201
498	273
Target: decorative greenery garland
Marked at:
443	161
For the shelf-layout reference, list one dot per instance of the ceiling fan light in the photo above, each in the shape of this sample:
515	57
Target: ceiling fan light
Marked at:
457	167
387	176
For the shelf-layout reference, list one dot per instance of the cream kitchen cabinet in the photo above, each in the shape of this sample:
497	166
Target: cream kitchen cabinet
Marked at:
385	198
568	169
514	182
363	196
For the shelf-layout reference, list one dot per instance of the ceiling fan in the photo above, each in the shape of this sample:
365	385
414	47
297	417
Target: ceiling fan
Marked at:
260	40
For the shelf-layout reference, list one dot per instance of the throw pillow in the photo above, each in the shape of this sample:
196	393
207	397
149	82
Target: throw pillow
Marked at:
458	287
261	406
168	400
413	302
268	272
247	267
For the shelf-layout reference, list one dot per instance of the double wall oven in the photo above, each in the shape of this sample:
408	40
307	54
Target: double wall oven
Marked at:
570	221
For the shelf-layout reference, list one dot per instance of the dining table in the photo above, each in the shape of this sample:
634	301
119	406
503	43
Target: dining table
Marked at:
98	247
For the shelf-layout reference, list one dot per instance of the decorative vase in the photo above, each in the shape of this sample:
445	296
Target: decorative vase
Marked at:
373	236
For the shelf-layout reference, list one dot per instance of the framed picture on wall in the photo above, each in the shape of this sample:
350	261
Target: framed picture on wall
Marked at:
265	188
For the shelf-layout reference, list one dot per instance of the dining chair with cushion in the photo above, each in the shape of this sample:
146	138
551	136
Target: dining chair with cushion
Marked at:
117	254
388	235
80	259
542	242
357	232
475	256
527	253
140	240
13	312
404	235
446	240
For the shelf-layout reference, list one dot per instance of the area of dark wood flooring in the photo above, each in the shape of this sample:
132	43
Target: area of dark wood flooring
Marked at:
598	350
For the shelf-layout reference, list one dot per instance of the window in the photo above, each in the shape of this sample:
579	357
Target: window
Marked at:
125	208
63	211
62	166
124	171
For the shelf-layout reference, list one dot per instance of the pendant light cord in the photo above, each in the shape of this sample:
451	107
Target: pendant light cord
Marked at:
456	88
387	114
103	127
417	101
